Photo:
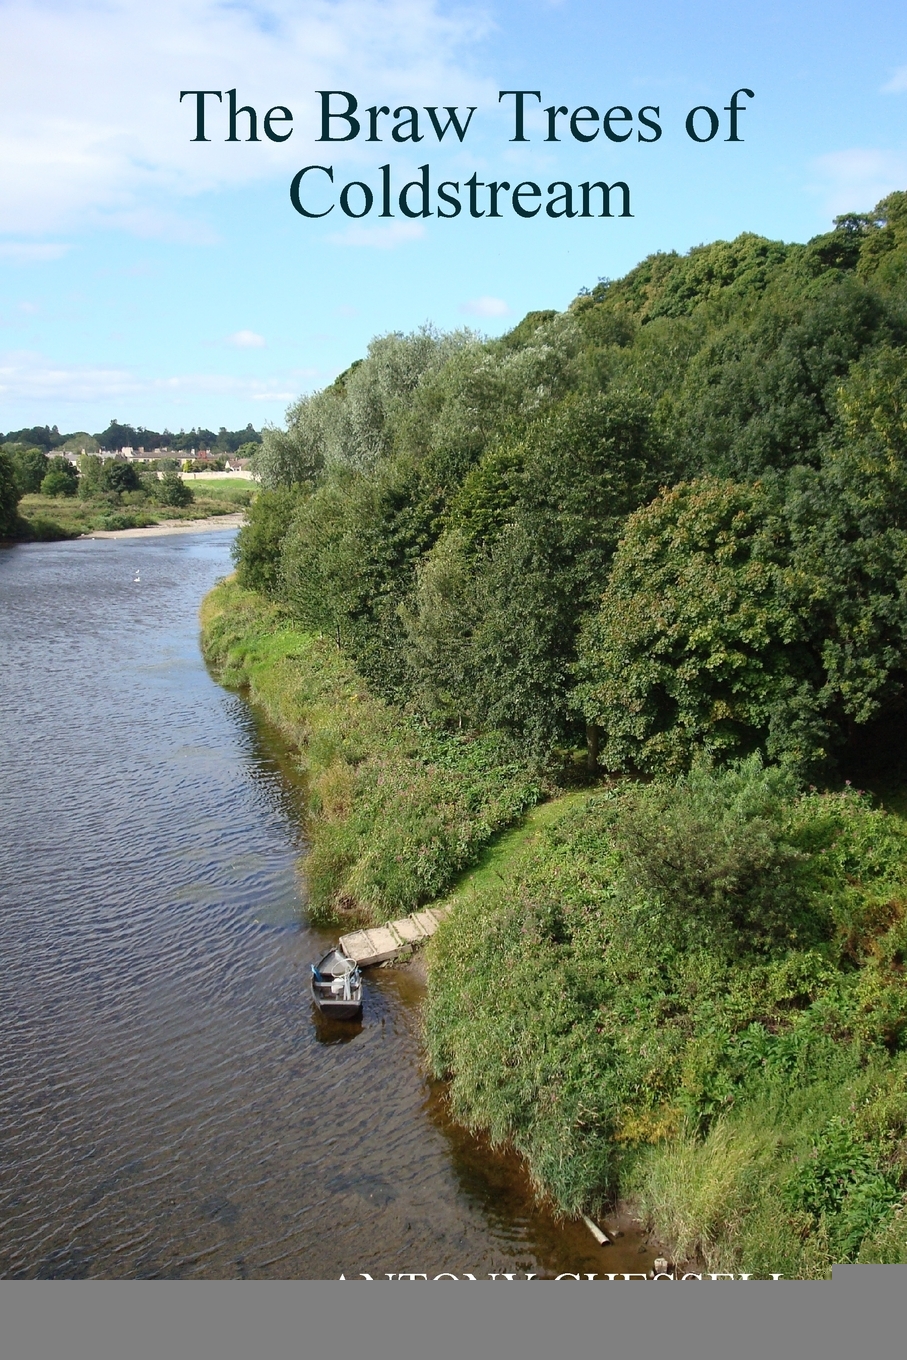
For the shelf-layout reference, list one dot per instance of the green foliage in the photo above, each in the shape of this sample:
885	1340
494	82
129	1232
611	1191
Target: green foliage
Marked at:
760	394
80	442
536	523
30	467
91	468
649	1016
842	1184
670	285
396	812
755	616
10	496
117	476
46	518
172	490
42	529
713	852
61	478
256	548
205	464
699	640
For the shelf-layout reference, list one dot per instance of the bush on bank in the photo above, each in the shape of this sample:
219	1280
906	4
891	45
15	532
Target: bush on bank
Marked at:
714	1021
397	811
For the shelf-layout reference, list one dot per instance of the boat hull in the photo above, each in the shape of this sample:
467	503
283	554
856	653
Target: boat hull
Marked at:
338	1010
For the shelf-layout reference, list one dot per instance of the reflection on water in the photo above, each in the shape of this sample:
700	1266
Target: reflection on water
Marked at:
170	1106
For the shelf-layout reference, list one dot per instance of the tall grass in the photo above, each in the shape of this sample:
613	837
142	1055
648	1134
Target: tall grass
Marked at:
742	1075
396	810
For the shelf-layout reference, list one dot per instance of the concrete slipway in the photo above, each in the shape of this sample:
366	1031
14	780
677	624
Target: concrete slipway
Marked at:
369	947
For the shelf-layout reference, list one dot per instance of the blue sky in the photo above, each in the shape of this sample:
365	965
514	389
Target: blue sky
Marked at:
166	282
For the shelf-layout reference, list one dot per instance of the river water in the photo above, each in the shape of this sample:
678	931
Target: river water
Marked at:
170	1106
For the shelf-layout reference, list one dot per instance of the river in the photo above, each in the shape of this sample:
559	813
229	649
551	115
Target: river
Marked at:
170	1107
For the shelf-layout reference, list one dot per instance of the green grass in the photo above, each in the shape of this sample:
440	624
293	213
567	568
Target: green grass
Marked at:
239	491
508	849
752	1100
396	811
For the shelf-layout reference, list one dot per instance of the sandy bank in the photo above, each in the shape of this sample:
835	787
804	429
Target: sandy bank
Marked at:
174	526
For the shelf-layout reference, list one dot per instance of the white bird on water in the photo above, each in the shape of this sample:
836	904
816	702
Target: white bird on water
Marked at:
136	579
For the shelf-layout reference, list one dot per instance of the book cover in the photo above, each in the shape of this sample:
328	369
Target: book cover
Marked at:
541	368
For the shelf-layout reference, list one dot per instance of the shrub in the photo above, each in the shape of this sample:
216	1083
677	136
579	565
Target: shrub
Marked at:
256	550
172	490
713	851
61	478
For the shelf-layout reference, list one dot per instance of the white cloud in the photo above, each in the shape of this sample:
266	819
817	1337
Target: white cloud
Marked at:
246	340
29	377
380	238
855	180
108	142
31	252
24	374
486	306
898	82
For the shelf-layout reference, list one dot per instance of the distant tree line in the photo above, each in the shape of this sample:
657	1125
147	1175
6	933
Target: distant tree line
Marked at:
670	519
117	436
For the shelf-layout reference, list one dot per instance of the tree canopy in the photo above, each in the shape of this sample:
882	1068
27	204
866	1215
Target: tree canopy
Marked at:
673	511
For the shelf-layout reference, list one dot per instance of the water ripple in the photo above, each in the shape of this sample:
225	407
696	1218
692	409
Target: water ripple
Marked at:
168	1105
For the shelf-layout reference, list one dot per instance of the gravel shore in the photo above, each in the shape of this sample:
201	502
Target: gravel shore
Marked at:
174	526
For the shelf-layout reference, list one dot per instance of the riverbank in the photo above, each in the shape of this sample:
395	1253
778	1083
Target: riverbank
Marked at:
174	526
396	810
752	1103
687	996
55	518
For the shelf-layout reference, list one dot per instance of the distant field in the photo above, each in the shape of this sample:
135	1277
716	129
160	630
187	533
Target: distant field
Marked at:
223	488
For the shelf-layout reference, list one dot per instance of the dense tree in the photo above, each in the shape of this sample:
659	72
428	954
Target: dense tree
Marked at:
30	467
760	395
459	503
118	436
541	517
10	496
91	472
700	640
233	441
256	549
172	490
61	478
43	436
119	476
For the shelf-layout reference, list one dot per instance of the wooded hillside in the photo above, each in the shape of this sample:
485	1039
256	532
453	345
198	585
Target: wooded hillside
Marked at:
672	517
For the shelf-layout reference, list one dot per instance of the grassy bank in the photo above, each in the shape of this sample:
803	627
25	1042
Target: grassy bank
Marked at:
695	998
396	811
56	517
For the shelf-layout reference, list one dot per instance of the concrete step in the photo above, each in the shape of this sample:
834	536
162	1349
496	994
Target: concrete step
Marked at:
370	947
